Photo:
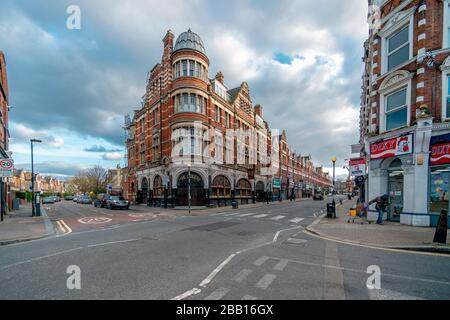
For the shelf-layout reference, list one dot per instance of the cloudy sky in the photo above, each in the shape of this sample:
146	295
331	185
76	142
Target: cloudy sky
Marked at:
71	88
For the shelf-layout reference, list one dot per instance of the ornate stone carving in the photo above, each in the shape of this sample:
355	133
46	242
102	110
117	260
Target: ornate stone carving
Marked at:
395	78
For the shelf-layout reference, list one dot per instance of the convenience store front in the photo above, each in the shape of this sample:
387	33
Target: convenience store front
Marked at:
439	177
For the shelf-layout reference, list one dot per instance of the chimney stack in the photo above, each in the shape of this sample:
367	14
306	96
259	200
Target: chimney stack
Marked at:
220	77
259	110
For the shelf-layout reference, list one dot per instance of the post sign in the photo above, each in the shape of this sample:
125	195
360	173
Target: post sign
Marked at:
392	147
357	167
6	168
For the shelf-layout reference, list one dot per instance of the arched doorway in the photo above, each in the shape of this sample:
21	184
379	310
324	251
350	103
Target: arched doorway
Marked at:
260	193
157	190
221	190
395	190
143	195
197	190
244	190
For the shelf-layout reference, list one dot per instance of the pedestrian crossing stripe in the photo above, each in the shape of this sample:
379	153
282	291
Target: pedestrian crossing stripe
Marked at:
261	216
277	218
297	220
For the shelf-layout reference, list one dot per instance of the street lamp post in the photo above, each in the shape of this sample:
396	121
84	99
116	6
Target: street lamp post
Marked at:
189	187
334	159
33	204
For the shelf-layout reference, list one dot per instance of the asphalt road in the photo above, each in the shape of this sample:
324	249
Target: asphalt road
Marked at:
250	254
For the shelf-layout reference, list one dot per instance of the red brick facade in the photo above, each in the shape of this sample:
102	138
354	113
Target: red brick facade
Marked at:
180	100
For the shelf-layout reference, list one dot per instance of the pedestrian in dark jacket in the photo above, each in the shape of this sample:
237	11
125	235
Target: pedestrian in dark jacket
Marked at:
381	206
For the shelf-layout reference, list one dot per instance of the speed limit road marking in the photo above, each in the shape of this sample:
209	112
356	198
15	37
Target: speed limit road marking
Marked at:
94	220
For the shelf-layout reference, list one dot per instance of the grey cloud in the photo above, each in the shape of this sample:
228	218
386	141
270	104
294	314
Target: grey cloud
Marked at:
52	168
86	80
99	149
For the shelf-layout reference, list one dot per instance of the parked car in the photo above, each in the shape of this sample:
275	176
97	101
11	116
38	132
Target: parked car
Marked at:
85	200
318	196
48	200
68	198
101	199
114	202
56	198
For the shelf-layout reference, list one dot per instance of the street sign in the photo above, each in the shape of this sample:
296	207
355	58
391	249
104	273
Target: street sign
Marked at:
6	167
277	183
357	167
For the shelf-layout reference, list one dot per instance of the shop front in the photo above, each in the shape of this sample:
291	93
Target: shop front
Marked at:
389	159
439	176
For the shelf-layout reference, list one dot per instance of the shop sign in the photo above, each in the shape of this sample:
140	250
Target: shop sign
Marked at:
357	167
276	183
392	147
440	150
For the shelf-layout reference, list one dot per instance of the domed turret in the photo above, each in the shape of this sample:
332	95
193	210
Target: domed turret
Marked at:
191	41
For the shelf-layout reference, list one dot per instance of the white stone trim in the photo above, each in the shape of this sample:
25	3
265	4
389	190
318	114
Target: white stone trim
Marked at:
445	74
406	20
420	99
395	82
446	17
422	22
422	36
420	85
375	53
421	71
422	8
375	65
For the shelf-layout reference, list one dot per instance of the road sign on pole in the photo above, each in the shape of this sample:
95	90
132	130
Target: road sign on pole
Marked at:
6	167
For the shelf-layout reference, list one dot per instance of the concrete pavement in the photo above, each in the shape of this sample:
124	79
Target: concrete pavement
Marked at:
390	235
19	226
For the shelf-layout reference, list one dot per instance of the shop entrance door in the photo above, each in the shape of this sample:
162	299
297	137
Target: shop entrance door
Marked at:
395	189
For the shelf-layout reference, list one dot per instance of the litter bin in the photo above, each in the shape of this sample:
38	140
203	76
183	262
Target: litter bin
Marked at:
16	204
234	204
331	210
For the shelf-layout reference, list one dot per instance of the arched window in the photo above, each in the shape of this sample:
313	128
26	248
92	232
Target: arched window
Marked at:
221	187
244	189
158	189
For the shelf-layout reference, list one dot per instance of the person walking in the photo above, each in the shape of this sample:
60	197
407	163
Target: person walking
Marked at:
382	203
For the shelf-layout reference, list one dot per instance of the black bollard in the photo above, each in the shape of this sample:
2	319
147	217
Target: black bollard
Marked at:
441	230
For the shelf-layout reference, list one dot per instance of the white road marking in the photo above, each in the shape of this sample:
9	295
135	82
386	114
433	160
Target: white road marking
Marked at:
241	276
187	294
279	232
247	297
232	214
261	261
281	265
297	241
297	220
112	242
260	216
265	281
40	258
218	294
277	218
246	214
216	271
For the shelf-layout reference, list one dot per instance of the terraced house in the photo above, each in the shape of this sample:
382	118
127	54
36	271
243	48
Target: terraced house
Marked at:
405	109
194	129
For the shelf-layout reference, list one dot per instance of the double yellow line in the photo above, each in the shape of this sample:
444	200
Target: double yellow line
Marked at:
63	226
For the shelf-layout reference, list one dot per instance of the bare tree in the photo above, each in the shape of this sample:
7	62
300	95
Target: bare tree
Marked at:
91	180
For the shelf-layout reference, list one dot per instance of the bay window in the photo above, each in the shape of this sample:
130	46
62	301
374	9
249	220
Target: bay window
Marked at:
184	63
191	68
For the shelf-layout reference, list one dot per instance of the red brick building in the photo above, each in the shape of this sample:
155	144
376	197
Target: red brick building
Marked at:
189	122
4	132
405	108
